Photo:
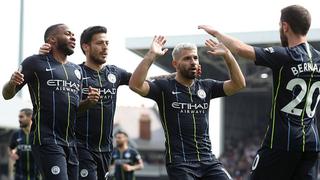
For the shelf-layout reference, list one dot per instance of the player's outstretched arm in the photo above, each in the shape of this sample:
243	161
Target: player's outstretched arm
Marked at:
137	81
9	89
234	45
237	81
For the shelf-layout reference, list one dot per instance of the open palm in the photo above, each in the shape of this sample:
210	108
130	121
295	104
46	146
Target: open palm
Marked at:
157	45
216	49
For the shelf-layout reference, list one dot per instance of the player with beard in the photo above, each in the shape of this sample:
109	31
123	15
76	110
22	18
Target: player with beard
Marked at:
20	149
291	144
183	104
125	159
94	128
55	90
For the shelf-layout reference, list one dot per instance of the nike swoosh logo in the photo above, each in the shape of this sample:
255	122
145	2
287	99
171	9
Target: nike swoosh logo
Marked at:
50	69
175	92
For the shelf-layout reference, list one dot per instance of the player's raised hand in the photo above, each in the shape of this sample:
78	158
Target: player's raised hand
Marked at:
157	46
93	95
209	29
17	78
216	49
45	48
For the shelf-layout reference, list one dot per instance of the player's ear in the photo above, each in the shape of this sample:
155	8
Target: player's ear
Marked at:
85	47
51	40
285	26
174	63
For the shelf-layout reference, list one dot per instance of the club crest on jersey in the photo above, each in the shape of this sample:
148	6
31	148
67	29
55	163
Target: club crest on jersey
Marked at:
77	73
112	78
201	93
55	170
127	155
84	173
269	50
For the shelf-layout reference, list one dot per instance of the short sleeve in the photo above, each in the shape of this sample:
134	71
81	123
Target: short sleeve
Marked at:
154	91
113	155
216	88
13	141
26	68
124	76
136	156
272	57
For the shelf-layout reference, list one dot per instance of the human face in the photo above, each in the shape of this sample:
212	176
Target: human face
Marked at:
98	48
121	139
187	63
283	37
66	41
24	120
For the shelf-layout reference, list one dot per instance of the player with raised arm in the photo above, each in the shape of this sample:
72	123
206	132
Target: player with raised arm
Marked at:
291	145
183	104
55	89
94	127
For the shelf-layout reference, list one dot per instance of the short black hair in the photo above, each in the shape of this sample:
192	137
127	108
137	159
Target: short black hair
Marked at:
88	33
121	132
27	111
51	31
297	17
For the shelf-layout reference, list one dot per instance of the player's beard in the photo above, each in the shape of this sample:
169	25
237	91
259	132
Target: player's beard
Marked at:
23	124
283	38
188	74
120	144
96	60
63	46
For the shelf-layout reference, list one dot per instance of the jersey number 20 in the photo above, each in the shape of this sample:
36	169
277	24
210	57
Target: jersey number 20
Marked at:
291	106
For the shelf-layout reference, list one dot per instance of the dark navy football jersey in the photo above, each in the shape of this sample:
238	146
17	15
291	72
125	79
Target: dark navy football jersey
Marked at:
296	90
55	93
129	156
25	165
184	114
94	127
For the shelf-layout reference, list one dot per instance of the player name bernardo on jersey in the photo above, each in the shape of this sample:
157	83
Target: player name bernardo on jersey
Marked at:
305	67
